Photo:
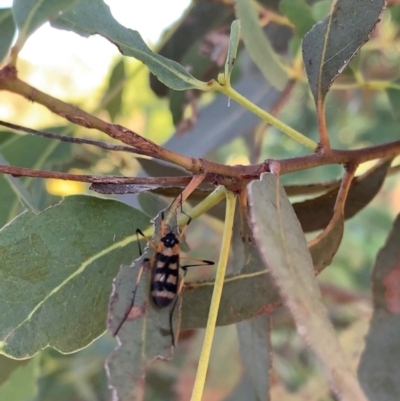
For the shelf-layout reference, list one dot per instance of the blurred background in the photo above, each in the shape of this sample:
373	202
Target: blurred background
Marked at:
91	74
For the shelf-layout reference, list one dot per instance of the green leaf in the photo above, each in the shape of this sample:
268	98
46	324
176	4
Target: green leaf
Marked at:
19	189
32	152
315	214
21	385
151	204
243	391
324	247
283	247
8	366
7	31
258	46
251	290
75	249
321	9
29	15
112	99
197	22
90	17
255	346
377	372
232	49
327	49
299	13
394	99
146	335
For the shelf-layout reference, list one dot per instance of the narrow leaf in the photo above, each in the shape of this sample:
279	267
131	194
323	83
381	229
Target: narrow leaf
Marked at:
22	384
394	99
232	49
7	31
19	189
315	214
258	46
378	371
299	13
112	98
8	366
283	247
90	17
197	22
75	250
251	290
334	41
29	15
32	152
255	346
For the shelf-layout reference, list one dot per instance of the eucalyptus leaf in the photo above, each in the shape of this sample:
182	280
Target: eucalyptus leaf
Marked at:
19	189
255	346
258	46
378	371
112	98
90	17
22	384
7	31
199	20
31	152
334	41
283	247
315	214
233	48
299	13
75	250
394	99
251	290
8	366
29	15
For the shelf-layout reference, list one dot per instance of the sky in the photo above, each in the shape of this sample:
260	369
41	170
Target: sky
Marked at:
54	47
65	64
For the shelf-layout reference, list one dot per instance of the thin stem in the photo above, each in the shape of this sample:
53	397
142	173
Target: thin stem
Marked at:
70	139
204	206
97	179
237	97
322	128
215	300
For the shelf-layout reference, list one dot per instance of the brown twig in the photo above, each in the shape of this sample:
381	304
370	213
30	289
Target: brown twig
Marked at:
64	138
98	179
242	174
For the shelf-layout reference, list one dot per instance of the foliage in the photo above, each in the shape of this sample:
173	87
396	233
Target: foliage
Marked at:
327	74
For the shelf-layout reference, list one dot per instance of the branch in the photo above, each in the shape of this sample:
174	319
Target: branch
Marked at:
64	138
10	82
239	175
94	179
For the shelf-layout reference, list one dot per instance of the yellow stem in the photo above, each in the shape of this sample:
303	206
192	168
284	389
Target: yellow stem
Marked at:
213	199
237	97
215	300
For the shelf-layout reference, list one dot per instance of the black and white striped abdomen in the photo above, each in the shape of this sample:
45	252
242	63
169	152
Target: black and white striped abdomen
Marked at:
165	279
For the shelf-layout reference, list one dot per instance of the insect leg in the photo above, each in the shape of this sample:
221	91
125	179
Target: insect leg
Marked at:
145	261
181	282
128	311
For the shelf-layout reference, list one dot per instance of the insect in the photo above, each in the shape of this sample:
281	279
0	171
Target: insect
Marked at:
166	283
